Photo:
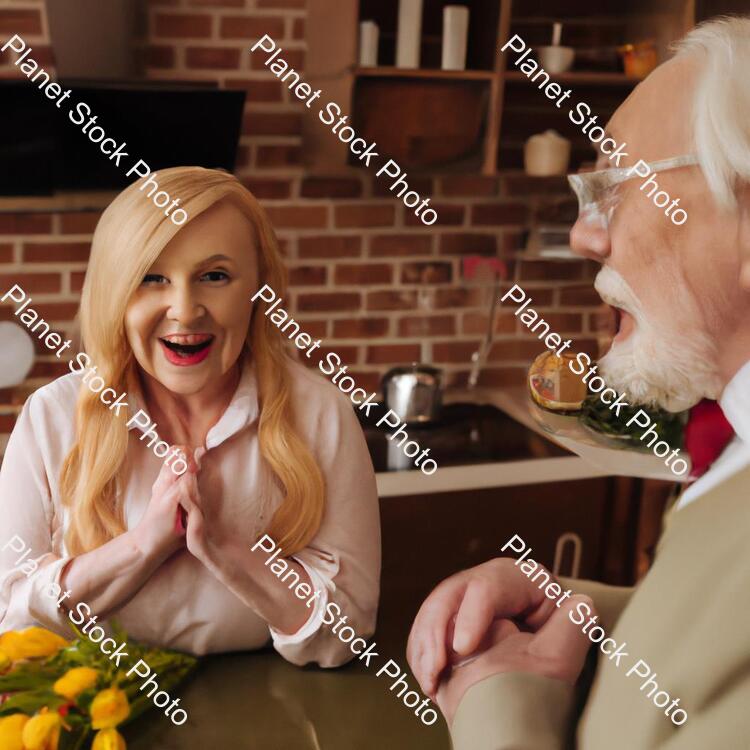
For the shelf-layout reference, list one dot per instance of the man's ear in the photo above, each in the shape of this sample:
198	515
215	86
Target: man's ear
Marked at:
744	238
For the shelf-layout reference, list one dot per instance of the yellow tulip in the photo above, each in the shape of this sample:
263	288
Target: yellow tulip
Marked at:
31	643
11	731
5	662
75	681
42	732
109	708
108	739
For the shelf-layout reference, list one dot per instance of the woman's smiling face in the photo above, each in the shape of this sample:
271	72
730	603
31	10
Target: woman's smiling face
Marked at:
188	320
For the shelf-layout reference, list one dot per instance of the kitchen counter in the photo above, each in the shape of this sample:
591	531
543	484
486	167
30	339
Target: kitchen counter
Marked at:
484	439
258	701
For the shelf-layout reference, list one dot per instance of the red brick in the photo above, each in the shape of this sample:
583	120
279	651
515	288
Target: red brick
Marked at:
497	214
60	252
257	91
360	328
365	215
48	370
83	222
392	300
558	322
316	328
548	270
580	295
500	377
282	3
7	422
160	56
388	354
400	244
294	58
182	25
347	354
298	28
298	217
252	27
307	275
381	187
523	184
468	244
459	297
329	247
272	123
328	302
32	282
25	223
370	381
21	22
517	349
448	215
76	280
426	273
163	2
278	156
477	323
56	311
541	297
366	273
453	351
427	325
266	189
212	58
217	3
468	185
330	187
6	253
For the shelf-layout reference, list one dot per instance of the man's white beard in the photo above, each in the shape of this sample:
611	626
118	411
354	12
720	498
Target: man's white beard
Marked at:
655	365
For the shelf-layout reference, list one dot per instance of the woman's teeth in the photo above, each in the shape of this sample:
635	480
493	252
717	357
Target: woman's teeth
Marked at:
187	345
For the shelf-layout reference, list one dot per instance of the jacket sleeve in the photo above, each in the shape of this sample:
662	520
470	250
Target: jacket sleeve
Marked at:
524	711
30	566
343	560
514	711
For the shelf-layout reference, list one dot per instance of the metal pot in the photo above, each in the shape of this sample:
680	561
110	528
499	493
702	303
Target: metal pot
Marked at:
413	392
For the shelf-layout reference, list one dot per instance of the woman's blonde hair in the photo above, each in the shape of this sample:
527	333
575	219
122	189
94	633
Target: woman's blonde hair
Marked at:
129	237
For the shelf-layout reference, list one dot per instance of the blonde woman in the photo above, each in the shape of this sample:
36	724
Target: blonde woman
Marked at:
167	319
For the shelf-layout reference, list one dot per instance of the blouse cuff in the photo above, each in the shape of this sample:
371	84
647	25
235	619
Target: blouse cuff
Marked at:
321	580
43	607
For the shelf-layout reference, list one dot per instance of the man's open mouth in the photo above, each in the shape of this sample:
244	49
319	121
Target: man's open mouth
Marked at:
186	349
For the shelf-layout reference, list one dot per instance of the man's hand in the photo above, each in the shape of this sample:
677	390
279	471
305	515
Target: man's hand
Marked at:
458	614
556	650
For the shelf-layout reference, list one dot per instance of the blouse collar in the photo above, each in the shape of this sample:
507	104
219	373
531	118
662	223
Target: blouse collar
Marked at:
735	402
242	411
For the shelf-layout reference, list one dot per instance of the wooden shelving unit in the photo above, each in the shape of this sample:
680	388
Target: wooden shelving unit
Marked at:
430	119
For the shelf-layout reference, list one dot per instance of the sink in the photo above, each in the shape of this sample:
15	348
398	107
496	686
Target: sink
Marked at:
466	433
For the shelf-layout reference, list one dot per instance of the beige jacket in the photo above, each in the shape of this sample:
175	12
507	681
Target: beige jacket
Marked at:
689	620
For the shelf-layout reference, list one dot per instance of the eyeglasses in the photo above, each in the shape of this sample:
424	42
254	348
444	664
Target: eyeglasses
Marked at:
597	192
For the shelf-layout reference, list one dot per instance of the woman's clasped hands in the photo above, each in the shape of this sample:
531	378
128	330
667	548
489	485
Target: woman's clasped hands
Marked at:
174	517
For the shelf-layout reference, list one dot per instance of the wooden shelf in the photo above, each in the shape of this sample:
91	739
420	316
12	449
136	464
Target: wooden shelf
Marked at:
581	77
456	75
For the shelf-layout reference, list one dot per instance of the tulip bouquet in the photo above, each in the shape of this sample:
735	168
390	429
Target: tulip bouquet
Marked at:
57	694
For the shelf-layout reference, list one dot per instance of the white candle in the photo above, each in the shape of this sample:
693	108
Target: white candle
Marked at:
368	44
409	33
455	32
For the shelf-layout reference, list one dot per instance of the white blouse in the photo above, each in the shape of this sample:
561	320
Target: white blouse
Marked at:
182	605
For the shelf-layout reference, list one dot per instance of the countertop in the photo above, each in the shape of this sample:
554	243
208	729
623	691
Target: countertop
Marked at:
258	701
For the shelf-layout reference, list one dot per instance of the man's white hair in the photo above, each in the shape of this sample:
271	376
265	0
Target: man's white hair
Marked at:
721	104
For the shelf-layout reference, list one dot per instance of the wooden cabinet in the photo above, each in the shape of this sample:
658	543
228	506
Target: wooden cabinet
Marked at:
431	536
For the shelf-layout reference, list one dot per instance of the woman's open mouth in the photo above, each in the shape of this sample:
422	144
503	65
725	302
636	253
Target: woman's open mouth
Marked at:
186	349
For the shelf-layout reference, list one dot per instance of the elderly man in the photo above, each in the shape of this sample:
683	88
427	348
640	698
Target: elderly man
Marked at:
500	657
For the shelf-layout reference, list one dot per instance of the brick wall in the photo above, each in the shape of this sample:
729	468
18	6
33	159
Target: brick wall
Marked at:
369	278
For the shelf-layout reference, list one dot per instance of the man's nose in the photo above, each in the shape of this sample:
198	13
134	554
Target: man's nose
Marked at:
590	239
184	305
